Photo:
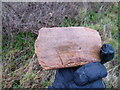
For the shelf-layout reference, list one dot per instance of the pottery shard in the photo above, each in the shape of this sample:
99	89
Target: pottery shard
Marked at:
62	47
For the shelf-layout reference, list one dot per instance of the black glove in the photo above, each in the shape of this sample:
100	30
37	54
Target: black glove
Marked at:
88	76
90	72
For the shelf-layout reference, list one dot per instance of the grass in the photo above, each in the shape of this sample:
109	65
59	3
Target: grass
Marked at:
44	84
19	48
17	86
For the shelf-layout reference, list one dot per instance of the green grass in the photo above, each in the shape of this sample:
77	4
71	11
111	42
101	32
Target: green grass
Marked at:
17	86
44	84
17	49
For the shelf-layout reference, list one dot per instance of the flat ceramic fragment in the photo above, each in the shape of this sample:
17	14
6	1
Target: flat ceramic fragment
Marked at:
62	47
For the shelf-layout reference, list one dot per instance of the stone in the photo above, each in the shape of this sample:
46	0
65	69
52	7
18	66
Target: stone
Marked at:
63	47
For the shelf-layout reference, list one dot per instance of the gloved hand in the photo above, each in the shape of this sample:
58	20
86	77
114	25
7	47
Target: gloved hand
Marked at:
87	76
